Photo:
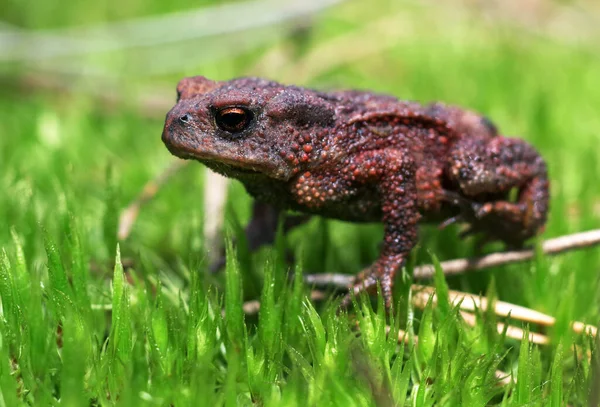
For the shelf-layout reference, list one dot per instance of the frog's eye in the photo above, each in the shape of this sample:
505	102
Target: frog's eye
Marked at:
233	119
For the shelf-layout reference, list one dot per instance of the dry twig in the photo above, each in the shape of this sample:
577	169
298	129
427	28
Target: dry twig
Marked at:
553	246
512	332
472	302
253	306
458	266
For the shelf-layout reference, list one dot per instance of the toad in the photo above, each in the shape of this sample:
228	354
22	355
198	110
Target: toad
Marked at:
362	157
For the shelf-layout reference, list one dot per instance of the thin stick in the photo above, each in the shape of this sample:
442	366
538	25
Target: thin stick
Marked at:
549	247
403	336
504	379
252	307
472	302
130	213
516	333
458	266
512	332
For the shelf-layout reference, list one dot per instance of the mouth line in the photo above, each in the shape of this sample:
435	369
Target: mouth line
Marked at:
232	166
240	170
212	159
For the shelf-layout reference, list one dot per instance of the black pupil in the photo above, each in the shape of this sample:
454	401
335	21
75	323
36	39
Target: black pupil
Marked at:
233	120
185	118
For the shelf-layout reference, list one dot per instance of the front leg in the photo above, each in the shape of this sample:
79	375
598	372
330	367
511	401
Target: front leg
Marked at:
394	173
262	228
391	174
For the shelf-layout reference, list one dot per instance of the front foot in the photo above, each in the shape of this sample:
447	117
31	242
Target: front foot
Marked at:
382	272
262	229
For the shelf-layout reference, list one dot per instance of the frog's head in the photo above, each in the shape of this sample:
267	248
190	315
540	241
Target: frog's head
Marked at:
248	125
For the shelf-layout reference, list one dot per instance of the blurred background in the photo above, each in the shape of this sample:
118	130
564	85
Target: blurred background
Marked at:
86	85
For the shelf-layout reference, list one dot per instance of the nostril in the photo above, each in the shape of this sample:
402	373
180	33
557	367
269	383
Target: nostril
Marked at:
185	119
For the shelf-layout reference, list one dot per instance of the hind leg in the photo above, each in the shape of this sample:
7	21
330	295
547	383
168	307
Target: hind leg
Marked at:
494	167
